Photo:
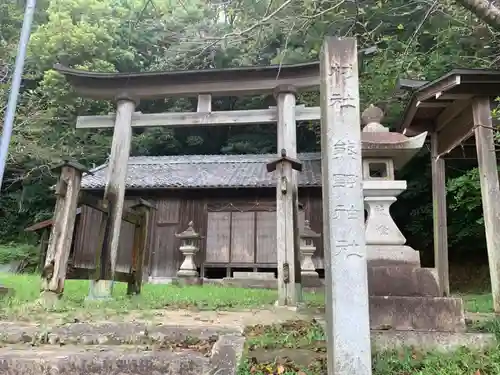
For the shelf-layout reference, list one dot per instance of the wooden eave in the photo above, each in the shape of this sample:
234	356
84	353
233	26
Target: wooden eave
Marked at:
444	107
218	82
46	223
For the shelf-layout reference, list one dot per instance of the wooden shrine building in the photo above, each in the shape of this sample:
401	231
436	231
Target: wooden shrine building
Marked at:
456	111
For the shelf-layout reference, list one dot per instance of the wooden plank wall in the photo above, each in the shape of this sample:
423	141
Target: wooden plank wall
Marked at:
87	239
255	223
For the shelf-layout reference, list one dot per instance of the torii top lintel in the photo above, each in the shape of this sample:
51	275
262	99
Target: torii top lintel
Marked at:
218	82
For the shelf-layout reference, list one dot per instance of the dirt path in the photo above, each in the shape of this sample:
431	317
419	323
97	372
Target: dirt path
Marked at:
234	319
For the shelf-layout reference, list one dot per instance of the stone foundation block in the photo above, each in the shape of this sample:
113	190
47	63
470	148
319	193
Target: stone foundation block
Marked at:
392	255
417	314
431	341
403	281
103	361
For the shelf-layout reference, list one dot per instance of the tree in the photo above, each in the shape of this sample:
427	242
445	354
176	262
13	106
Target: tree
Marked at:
486	10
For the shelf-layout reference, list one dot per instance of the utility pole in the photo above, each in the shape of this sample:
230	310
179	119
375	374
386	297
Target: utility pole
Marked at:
15	86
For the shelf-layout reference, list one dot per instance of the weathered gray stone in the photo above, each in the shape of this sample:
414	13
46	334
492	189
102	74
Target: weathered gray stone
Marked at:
250	283
4	291
254	275
99	361
417	314
431	341
108	333
157	350
226	355
402	281
392	256
428	341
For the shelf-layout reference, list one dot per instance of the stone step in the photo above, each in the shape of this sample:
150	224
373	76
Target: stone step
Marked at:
428	341
222	357
73	360
417	314
431	341
406	281
114	333
403	281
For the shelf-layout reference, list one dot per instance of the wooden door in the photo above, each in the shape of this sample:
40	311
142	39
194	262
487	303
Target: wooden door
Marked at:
165	255
218	237
266	238
243	237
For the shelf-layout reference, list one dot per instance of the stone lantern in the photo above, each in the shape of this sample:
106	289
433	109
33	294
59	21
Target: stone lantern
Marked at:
189	241
379	186
307	249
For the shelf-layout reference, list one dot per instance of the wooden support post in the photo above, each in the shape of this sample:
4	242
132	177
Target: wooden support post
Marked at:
287	237
114	195
61	237
439	217
490	191
44	242
347	317
143	209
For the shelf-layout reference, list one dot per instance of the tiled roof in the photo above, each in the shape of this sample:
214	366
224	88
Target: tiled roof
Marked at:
205	171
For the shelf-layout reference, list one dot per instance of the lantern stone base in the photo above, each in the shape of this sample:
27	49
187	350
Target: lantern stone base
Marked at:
187	273
100	290
395	255
187	280
311	280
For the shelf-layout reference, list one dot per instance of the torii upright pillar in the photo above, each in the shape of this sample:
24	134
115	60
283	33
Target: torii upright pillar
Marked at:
114	195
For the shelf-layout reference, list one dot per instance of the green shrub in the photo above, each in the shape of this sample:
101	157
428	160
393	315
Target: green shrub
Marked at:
27	254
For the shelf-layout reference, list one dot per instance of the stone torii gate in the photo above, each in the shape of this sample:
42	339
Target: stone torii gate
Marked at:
348	332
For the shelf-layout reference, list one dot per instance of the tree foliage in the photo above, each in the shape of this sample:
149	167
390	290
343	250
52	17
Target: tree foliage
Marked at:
417	39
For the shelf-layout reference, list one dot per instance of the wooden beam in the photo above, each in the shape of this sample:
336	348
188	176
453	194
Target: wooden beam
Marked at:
439	217
448	96
440	104
114	194
88	200
451	112
455	132
346	285
438	89
490	190
289	282
243	117
139	250
204	103
218	82
61	237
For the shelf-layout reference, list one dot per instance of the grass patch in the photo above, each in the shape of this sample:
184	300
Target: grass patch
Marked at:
27	255
478	303
299	347
209	297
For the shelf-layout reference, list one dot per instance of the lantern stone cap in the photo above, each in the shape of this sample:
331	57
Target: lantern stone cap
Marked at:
189	233
371	118
307	232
